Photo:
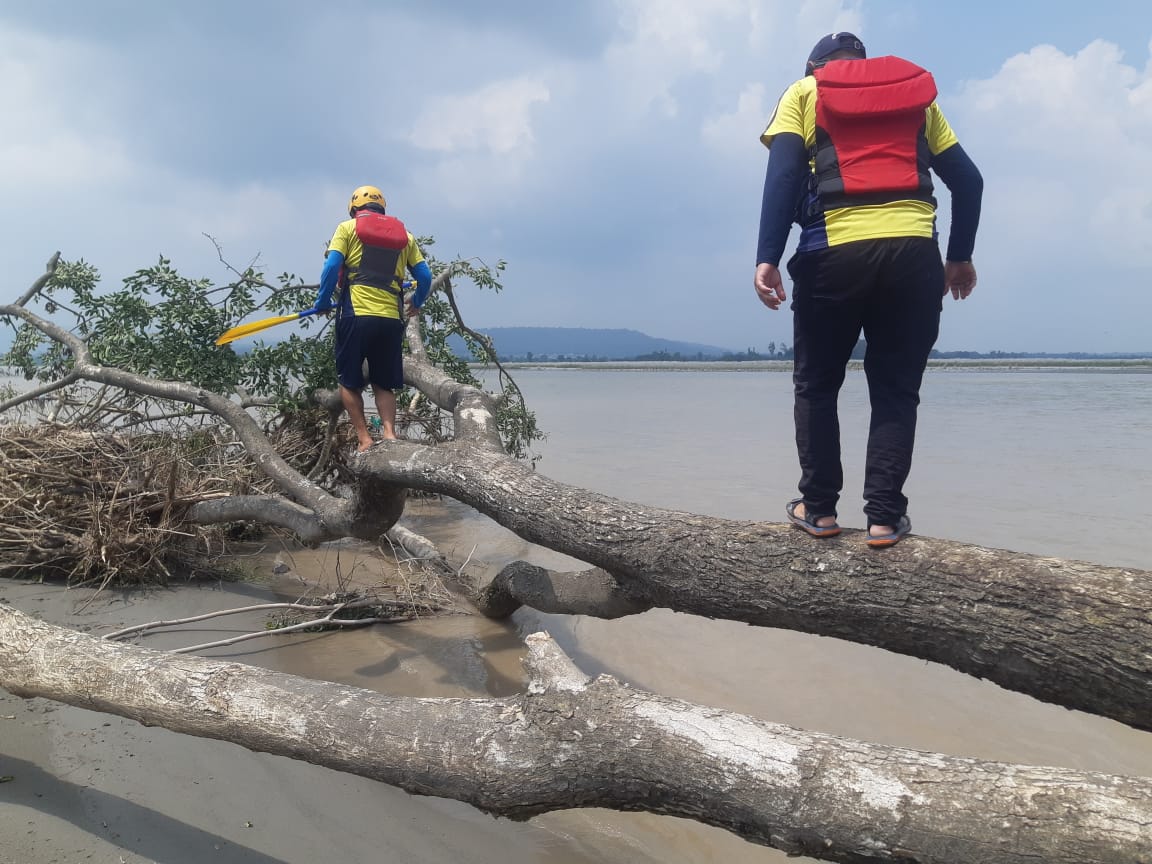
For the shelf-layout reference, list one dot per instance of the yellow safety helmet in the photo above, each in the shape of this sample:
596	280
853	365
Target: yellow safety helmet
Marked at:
364	196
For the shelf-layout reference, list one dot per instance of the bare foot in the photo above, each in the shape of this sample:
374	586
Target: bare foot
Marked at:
821	522
365	446
881	530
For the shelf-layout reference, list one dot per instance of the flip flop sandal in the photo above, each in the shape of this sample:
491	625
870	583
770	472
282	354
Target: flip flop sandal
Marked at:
881	541
807	522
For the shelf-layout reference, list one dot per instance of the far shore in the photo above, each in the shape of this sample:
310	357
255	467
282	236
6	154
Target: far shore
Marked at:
1005	364
1143	364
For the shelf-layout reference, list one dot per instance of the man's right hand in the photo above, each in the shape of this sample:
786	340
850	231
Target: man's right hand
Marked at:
959	278
769	285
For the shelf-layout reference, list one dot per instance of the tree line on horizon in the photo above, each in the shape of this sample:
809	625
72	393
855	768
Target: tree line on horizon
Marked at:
784	352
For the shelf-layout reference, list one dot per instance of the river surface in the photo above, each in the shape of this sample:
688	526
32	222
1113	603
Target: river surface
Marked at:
1050	462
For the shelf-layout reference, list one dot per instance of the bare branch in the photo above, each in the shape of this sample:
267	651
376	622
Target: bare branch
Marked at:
32	395
322	460
38	285
244	278
317	623
239	610
549	668
144	419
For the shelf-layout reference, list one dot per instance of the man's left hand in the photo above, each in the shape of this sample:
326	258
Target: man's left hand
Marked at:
959	278
769	285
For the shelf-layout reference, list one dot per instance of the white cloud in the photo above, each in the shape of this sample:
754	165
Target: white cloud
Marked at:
659	42
683	30
497	119
52	136
735	132
1053	96
830	16
1065	140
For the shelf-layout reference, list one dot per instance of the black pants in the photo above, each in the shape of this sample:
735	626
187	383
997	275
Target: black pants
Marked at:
892	290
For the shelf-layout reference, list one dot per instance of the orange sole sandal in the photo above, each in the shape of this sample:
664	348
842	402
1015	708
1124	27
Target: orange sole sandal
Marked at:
807	524
882	541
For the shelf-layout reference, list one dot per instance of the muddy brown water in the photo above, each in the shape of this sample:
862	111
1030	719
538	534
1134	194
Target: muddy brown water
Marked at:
1054	463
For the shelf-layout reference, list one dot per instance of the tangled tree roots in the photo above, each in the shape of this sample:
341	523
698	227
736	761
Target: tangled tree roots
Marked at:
103	508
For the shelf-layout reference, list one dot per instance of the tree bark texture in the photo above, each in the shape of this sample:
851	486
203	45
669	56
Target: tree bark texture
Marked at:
570	742
1067	632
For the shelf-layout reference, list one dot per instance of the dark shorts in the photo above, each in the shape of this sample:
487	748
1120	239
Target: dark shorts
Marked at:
375	340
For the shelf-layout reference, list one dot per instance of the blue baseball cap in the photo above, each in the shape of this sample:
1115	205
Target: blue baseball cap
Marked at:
829	45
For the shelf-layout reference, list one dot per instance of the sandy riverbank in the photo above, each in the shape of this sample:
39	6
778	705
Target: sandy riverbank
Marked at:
87	786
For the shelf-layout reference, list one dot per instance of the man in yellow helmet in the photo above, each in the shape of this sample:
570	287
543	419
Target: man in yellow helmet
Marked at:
368	260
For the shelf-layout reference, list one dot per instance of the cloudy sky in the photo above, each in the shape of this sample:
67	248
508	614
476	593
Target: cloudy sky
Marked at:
607	149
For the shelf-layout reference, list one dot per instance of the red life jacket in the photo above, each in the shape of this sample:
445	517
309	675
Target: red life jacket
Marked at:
871	146
384	239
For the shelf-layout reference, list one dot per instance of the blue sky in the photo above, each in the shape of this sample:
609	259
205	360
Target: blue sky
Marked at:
608	150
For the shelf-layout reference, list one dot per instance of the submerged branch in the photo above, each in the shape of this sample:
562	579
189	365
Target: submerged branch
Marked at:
240	610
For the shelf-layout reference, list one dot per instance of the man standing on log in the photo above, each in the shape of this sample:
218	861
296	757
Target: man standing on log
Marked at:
368	259
850	148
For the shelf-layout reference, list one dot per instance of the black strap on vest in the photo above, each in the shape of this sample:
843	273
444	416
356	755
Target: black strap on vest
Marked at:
384	239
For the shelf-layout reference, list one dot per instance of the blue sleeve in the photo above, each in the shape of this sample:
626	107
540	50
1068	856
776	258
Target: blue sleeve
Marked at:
963	180
423	274
783	185
328	277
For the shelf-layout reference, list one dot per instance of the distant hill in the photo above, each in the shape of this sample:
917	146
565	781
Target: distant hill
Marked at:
556	343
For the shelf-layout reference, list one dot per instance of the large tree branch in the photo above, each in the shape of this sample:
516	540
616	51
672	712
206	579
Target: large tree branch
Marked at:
570	742
268	510
473	410
1067	632
480	338
588	592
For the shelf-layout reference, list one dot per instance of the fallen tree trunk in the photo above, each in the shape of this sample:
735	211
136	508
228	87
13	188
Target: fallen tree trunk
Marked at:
570	742
1066	632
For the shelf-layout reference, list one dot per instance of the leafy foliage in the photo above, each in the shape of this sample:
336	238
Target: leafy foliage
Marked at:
162	324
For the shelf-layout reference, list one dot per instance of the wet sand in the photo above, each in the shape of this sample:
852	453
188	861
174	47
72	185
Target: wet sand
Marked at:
87	786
